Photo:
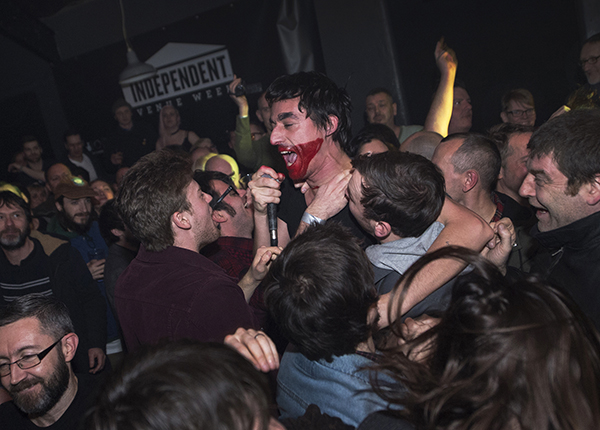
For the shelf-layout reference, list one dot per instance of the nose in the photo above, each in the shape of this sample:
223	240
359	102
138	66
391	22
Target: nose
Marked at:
16	374
276	136
527	187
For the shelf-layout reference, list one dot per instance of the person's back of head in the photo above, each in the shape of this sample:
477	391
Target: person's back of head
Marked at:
477	153
405	190
183	385
150	193
506	354
319	97
320	290
422	143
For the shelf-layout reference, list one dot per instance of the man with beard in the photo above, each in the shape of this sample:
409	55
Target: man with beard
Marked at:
169	290
37	344
32	262
74	221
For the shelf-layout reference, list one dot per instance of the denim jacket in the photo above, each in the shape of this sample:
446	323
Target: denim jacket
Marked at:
340	388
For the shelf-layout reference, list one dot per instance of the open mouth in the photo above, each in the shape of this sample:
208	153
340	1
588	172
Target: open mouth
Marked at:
289	157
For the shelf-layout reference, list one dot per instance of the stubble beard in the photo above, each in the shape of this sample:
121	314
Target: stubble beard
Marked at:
17	243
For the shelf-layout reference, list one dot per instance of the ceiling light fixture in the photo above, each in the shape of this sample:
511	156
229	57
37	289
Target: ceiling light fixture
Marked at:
135	71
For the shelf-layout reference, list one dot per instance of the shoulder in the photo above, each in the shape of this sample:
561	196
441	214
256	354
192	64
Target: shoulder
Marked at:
50	243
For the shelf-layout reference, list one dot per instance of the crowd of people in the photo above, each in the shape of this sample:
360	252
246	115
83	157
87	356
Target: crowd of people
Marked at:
407	277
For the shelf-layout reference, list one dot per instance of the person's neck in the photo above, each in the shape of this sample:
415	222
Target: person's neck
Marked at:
396	129
481	203
510	193
334	163
78	159
172	131
126	126
235	232
15	256
124	243
37	165
60	408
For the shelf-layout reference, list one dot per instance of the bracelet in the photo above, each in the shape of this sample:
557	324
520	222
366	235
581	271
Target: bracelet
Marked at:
311	219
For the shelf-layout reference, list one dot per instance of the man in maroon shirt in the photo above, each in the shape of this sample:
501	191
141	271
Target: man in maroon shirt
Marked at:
169	290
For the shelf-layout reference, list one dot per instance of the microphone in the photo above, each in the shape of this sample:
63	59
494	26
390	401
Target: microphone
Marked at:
272	217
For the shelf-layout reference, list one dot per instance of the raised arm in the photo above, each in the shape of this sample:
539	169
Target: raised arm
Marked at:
440	111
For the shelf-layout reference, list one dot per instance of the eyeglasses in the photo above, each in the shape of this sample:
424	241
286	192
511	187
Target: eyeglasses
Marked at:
28	361
591	60
519	112
213	203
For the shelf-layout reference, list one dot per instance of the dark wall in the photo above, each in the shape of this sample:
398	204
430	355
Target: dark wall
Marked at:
29	102
88	83
500	45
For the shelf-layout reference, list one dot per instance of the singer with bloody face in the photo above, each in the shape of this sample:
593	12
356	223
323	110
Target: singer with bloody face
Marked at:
311	124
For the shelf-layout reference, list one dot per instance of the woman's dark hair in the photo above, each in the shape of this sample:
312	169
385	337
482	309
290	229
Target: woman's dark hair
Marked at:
372	132
183	385
506	354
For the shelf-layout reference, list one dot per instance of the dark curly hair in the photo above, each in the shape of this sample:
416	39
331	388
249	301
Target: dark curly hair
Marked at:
506	353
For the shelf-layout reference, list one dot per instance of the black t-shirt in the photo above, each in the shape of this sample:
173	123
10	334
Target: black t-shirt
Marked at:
11	418
293	205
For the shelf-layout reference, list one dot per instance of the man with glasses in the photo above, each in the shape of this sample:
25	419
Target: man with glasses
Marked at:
590	54
518	107
35	263
169	290
37	345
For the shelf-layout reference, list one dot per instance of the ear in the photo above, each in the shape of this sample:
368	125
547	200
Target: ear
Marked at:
58	206
592	191
395	108
333	125
504	117
381	229
69	346
469	180
117	232
259	115
220	216
181	220
501	174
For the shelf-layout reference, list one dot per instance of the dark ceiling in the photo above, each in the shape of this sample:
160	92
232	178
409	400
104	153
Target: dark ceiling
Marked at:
60	29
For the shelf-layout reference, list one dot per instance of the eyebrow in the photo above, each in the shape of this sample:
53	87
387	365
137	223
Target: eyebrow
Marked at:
541	174
286	115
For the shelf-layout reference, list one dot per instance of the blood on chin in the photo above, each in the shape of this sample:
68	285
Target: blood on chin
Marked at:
298	161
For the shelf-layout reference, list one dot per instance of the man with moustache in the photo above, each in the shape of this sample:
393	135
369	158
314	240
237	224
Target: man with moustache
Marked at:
35	263
169	290
37	345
